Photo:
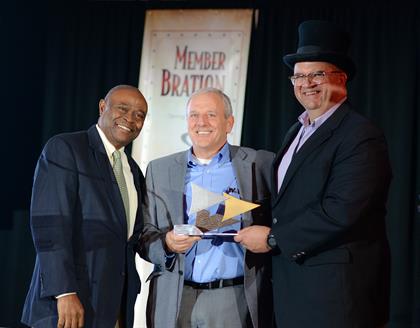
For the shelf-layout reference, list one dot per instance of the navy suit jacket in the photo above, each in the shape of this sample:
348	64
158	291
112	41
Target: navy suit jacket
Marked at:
329	223
80	233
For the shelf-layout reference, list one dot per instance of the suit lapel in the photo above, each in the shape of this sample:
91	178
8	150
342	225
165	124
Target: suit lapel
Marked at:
323	133
176	178
111	186
138	183
244	177
290	135
310	145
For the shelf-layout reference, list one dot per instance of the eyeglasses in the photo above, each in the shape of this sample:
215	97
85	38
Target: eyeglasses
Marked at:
315	77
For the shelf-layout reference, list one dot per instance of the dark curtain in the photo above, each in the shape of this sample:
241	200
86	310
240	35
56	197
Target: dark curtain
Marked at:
90	49
61	60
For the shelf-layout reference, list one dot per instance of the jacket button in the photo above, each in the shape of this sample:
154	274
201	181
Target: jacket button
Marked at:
274	220
181	272
123	273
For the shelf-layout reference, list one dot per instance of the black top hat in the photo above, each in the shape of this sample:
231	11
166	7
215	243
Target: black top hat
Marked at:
322	41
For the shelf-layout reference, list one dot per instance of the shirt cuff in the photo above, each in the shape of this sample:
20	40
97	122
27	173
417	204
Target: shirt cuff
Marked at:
65	294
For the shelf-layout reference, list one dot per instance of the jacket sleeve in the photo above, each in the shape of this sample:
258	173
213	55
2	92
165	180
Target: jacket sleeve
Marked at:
53	210
152	239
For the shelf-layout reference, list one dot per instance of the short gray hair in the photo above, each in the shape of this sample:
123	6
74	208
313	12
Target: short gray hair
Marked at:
226	101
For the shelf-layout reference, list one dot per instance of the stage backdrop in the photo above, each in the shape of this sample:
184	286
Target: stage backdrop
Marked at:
183	51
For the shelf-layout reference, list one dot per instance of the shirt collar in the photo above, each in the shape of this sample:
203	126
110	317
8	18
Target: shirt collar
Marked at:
221	157
304	117
109	147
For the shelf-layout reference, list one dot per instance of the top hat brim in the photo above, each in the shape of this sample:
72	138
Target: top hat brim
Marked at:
341	61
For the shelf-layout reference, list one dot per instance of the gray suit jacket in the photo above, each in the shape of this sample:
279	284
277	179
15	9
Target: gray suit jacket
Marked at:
165	179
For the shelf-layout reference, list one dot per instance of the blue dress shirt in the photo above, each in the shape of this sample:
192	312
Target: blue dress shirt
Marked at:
220	258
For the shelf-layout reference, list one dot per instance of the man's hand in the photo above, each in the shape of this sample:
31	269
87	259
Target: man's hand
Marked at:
179	243
70	312
254	238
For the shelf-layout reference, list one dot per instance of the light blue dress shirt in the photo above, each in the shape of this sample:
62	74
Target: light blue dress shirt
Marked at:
220	258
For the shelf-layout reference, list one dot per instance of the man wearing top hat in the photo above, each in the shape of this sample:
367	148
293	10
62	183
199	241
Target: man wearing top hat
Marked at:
330	184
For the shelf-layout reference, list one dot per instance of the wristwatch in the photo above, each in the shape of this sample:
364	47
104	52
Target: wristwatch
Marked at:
271	240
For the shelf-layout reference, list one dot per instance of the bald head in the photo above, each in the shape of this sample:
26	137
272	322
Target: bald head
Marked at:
122	87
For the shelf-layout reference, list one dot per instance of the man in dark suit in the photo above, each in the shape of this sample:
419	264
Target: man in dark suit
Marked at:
330	184
85	221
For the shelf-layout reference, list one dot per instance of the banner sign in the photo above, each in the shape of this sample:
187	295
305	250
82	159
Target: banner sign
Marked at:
183	51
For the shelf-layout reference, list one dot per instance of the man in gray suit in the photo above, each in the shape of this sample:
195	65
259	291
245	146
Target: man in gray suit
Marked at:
212	282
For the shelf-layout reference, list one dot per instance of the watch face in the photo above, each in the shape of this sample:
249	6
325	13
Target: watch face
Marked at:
271	241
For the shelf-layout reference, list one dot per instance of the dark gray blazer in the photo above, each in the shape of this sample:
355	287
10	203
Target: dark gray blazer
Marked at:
329	221
165	179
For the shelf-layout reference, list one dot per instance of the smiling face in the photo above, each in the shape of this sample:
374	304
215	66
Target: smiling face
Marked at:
207	124
121	115
318	98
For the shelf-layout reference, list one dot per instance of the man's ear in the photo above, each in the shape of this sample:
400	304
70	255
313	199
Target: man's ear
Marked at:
230	122
344	78
102	106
